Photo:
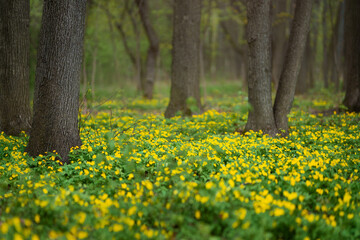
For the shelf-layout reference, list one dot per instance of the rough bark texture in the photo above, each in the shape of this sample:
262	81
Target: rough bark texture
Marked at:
261	115
147	83
14	66
294	55
185	69
352	55
57	83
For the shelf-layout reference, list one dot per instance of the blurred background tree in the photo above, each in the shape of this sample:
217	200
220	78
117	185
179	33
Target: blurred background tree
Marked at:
117	43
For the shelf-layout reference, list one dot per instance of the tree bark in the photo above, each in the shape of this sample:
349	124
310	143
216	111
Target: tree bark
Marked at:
185	69
15	111
57	83
325	66
294	55
335	47
279	40
352	55
261	115
153	50
303	80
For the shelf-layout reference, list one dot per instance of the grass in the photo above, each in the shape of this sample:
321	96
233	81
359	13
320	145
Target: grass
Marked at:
141	176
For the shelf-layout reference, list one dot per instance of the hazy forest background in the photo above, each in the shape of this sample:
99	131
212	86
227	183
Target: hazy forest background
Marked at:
116	44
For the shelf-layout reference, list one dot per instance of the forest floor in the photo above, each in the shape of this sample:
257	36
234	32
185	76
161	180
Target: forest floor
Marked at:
141	176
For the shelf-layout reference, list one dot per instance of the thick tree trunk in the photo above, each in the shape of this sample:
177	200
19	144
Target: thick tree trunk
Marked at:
261	115
14	66
294	55
186	52
352	55
153	50
57	83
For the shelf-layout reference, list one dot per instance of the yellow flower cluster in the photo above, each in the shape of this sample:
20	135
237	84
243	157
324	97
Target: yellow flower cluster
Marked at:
139	176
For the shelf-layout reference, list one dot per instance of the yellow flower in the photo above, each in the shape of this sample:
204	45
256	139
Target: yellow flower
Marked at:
245	225
17	237
132	210
224	215
37	218
117	227
82	235
4	227
208	185
35	237
320	191
81	216
197	214
347	197
278	212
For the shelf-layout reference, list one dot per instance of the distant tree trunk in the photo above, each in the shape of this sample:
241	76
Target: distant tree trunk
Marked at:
313	42
303	81
231	32
261	115
294	55
185	68
93	71
279	40
153	50
325	66
57	83
15	111
84	86
335	47
352	55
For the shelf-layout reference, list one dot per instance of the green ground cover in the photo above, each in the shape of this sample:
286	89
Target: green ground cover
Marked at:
139	176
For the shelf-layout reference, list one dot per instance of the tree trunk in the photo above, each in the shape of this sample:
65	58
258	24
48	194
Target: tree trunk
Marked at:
325	66
352	55
57	83
15	111
302	84
153	50
294	55
279	40
335	47
185	69
261	115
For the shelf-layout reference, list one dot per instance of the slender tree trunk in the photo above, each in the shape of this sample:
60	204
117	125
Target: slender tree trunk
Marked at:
279	40
57	84
93	71
302	84
84	86
314	36
153	49
335	55
15	111
294	55
185	64
352	55
261	115
325	66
